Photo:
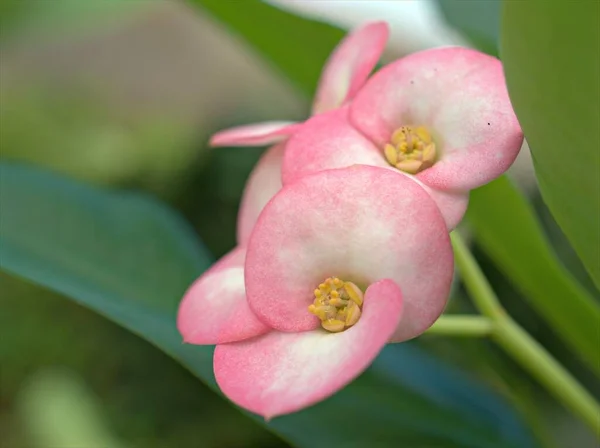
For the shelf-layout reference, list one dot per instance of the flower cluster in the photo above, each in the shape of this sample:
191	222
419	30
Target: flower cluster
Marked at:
343	230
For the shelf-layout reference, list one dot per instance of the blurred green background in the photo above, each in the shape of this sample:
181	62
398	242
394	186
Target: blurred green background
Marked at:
124	95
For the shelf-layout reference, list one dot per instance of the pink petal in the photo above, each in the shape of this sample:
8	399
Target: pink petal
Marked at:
263	183
214	310
461	95
453	205
234	258
349	66
328	141
255	134
362	224
280	373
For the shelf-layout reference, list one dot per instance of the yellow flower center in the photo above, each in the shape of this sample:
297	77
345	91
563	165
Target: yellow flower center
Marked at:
337	304
411	150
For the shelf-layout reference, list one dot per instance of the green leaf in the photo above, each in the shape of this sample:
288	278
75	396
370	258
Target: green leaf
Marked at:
508	231
551	54
59	410
298	47
30	16
478	21
131	259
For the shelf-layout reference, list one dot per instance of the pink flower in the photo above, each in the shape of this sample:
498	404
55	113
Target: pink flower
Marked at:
344	74
214	310
442	116
338	264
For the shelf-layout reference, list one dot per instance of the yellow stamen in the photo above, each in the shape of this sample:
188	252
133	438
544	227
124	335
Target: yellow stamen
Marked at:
412	149
333	325
409	166
390	154
423	134
352	314
354	293
337	304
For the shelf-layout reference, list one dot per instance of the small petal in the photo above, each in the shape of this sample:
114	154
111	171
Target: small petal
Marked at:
415	25
349	66
452	204
232	259
361	224
214	310
328	141
263	183
255	134
458	93
280	373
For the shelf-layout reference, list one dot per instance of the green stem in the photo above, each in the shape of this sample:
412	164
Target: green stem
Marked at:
480	291
520	345
451	325
549	372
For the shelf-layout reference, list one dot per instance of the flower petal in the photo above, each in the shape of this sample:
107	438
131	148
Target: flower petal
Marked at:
255	134
361	224
233	259
263	183
453	205
461	94
328	141
280	373
214	310
349	66
415	25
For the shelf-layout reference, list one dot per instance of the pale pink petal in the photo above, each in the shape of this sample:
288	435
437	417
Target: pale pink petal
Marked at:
263	183
452	204
214	310
349	66
460	94
233	258
280	373
255	134
328	141
362	224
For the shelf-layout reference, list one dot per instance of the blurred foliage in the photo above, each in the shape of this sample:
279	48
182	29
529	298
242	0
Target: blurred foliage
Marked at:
526	257
551	54
479	21
131	259
19	17
75	132
147	399
58	410
296	46
212	200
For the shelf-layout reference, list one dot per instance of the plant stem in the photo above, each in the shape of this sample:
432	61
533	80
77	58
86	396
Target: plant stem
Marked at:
549	372
469	326
520	345
479	289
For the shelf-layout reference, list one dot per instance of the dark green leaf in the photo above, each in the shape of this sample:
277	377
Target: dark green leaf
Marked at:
298	47
508	231
479	21
551	54
131	259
